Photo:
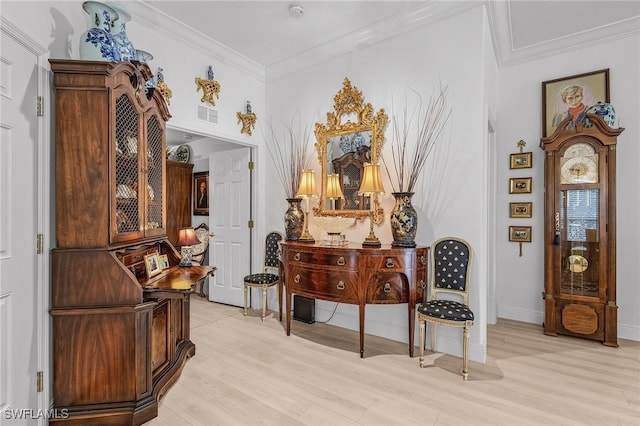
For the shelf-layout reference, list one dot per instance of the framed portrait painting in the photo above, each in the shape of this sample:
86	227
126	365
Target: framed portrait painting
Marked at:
201	193
571	96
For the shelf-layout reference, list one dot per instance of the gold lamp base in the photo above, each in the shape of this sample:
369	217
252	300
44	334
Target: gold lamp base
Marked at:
306	237
371	241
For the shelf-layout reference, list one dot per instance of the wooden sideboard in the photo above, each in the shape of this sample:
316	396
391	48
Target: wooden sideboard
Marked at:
355	275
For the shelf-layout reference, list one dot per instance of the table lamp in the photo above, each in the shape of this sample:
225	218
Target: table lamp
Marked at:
307	190
334	190
186	239
371	185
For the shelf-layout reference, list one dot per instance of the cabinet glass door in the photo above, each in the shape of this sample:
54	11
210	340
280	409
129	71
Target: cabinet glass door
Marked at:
127	170
155	220
579	242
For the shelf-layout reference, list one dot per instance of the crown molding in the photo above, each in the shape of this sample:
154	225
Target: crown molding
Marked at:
502	35
148	16
392	27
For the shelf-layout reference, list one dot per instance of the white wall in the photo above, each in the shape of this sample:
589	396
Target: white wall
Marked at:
450	200
520	279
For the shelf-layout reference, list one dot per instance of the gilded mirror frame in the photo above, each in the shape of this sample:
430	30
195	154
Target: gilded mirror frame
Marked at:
349	102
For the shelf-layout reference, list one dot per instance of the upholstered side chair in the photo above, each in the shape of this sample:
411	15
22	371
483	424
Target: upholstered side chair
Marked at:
199	251
269	277
450	270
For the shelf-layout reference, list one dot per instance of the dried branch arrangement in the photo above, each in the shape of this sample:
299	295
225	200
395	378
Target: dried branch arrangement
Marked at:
425	124
290	153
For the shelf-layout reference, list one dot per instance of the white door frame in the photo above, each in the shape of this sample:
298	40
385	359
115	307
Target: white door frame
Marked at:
258	177
45	185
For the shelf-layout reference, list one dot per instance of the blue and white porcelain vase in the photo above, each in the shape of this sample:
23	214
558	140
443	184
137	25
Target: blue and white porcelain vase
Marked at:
97	43
605	111
119	31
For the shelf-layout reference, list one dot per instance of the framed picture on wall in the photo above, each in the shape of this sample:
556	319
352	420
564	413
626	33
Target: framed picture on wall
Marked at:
571	96
521	160
201	193
520	234
520	210
520	185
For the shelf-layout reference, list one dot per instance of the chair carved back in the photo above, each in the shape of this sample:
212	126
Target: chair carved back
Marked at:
200	250
451	261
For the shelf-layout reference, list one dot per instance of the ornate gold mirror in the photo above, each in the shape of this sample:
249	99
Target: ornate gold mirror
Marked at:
343	149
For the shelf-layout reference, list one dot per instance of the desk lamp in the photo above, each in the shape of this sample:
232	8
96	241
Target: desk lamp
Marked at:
186	239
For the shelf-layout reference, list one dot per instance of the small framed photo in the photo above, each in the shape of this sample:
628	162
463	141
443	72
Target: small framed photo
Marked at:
571	96
521	160
164	261
520	185
152	264
520	234
520	210
201	193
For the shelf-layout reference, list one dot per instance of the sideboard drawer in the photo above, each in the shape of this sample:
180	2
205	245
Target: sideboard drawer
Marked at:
387	287
336	286
340	260
391	262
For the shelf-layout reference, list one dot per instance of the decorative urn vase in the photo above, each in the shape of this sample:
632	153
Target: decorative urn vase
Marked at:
294	219
119	31
404	221
97	43
605	111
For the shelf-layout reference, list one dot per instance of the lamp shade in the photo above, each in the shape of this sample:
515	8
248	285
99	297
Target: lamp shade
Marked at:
308	184
371	181
334	191
187	237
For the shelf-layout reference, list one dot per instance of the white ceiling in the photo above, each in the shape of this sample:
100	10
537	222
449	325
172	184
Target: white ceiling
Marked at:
265	32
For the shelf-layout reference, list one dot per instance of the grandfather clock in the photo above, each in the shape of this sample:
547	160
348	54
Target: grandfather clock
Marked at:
580	231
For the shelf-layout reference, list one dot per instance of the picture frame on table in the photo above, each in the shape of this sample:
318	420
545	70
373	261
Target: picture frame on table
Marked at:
577	92
164	261
152	264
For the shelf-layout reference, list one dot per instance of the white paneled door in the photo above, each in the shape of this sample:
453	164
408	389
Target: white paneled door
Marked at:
22	310
229	251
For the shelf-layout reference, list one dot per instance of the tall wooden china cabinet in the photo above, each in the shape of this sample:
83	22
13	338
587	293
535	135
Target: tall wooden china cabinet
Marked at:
580	231
120	327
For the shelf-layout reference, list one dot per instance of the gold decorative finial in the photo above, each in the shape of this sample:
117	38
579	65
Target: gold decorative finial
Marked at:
521	145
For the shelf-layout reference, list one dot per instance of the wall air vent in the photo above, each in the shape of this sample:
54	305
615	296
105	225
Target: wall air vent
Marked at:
207	114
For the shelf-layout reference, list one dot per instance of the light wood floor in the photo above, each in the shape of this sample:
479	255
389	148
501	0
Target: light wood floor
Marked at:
250	373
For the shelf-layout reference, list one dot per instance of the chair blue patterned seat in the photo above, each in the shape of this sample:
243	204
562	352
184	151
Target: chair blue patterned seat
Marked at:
450	265
266	279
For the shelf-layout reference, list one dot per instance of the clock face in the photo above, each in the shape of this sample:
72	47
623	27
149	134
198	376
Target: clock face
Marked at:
579	170
579	164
